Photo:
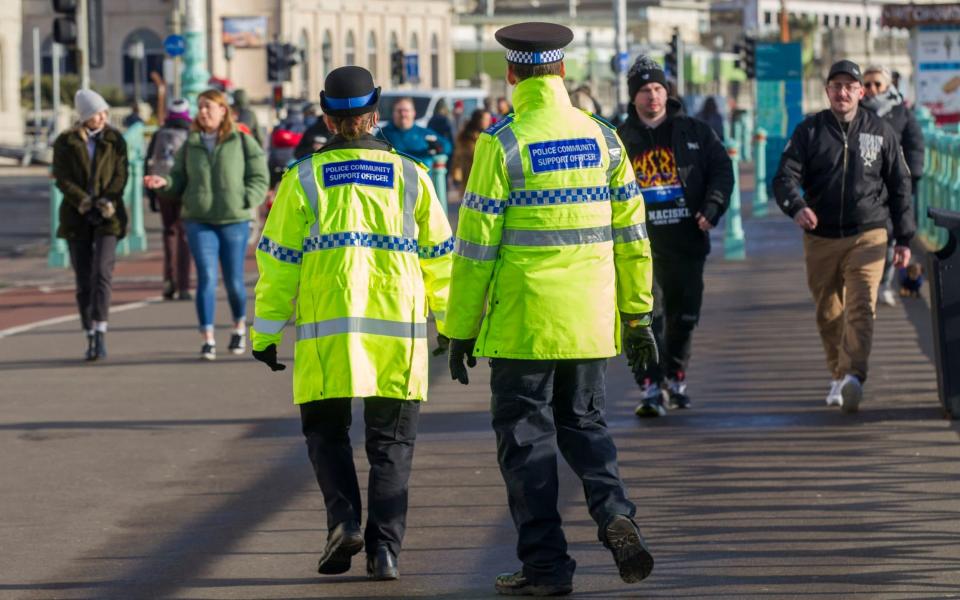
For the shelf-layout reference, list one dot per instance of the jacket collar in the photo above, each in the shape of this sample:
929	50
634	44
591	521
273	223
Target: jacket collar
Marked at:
365	142
540	92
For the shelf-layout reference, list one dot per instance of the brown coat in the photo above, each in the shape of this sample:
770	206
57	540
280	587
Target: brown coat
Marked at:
72	172
463	156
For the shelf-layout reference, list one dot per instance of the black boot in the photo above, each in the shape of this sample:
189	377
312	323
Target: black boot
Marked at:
91	353
382	564
515	584
623	538
100	344
344	541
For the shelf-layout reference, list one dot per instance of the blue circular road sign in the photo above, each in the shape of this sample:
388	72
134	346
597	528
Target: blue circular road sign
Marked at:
175	45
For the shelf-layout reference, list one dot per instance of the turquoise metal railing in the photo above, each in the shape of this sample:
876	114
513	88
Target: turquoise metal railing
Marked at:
940	184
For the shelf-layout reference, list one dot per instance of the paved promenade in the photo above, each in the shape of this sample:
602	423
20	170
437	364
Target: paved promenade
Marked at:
154	475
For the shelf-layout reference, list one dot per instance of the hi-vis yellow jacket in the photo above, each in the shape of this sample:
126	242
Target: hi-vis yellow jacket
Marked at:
358	238
552	242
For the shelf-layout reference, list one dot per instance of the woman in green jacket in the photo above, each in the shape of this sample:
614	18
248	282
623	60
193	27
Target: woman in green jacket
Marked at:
221	174
90	168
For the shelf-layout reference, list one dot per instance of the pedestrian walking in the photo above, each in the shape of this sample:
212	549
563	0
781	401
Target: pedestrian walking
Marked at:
90	169
710	114
885	100
442	123
551	245
245	115
422	143
161	151
358	239
841	177
686	178
221	175
463	152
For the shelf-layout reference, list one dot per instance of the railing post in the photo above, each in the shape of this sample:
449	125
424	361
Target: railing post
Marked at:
760	174
438	173
57	256
738	135
136	239
733	243
944	176
747	146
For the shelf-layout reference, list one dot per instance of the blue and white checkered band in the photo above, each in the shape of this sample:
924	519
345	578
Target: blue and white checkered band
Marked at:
534	58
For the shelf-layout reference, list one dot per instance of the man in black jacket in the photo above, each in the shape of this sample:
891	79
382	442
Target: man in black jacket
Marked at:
849	166
885	100
686	178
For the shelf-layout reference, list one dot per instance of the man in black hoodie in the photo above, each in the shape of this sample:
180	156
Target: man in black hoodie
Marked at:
686	178
842	176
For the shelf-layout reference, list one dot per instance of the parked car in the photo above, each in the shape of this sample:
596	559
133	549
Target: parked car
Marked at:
425	101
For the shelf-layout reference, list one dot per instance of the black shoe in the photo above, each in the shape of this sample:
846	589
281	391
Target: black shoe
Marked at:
184	295
650	407
515	584
344	541
168	289
238	343
208	352
623	538
91	353
382	564
100	344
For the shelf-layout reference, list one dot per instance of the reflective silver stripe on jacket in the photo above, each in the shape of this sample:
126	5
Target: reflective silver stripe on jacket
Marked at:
400	329
411	188
557	237
511	155
613	147
631	233
309	184
268	325
475	251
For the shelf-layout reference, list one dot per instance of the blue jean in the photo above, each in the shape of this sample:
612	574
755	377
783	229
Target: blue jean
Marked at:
228	244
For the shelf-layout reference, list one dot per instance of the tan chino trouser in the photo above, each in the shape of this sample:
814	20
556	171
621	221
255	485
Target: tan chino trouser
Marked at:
844	276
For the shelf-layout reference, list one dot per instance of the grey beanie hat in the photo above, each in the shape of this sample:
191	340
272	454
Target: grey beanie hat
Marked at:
89	103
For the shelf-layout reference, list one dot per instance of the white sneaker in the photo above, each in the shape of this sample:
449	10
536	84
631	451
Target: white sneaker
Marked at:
833	396
887	297
851	392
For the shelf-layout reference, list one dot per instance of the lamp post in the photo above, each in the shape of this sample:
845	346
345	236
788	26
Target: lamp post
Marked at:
195	75
229	51
136	52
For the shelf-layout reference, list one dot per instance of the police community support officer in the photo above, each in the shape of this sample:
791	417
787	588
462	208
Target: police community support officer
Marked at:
551	244
358	238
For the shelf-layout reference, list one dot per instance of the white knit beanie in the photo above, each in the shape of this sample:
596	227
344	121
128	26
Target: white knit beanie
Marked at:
89	103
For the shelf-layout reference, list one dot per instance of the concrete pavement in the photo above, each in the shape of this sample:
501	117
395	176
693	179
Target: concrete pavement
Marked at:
154	475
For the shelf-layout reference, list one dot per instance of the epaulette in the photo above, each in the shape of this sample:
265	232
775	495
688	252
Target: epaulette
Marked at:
416	161
503	122
297	162
600	120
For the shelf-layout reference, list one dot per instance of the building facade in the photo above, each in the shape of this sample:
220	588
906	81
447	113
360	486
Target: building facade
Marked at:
331	33
11	119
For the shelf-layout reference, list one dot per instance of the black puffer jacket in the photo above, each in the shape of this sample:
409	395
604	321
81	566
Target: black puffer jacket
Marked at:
705	172
853	181
890	106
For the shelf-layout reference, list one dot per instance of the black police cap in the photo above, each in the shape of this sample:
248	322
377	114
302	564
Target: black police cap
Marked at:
534	43
349	91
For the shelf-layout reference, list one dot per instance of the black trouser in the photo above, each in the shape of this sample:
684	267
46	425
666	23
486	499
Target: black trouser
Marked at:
533	402
677	298
391	429
93	262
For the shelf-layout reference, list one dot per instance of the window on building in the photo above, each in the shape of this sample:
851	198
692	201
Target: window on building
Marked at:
326	53
394	43
372	54
350	50
434	62
767	17
846	21
138	70
304	59
68	63
826	20
836	20
869	23
859	22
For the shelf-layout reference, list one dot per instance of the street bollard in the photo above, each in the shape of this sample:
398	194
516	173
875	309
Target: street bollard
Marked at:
136	238
760	173
439	176
738	131
58	256
748	133
733	243
945	305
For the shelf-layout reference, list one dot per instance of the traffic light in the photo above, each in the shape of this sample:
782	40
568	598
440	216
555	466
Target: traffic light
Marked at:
280	59
65	26
398	70
748	57
672	58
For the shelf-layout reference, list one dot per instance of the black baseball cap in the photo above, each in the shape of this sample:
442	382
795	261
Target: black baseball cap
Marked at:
846	67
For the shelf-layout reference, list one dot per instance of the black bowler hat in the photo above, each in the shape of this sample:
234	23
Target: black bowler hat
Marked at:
349	91
846	67
534	43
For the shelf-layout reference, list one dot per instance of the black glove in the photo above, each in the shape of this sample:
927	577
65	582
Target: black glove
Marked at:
460	349
268	356
154	206
443	344
640	343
